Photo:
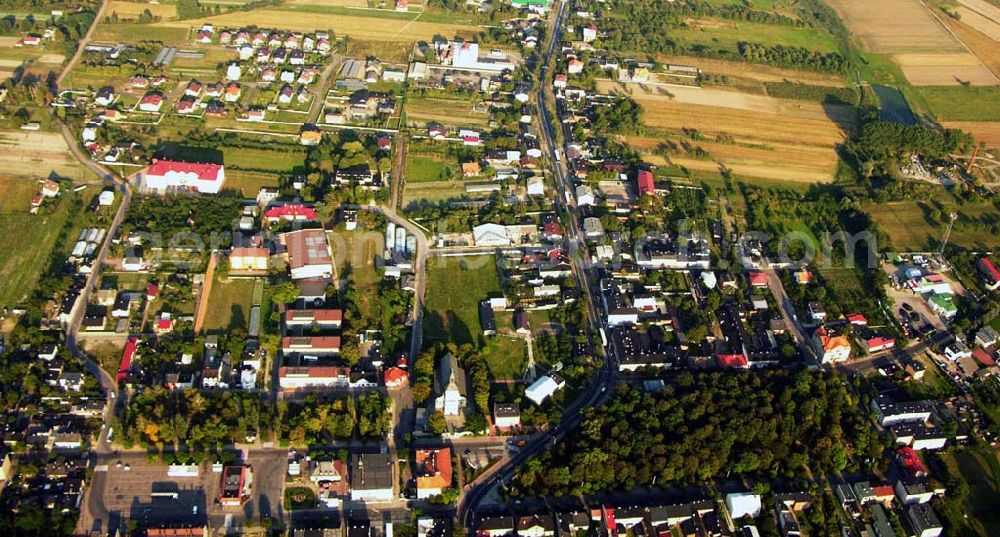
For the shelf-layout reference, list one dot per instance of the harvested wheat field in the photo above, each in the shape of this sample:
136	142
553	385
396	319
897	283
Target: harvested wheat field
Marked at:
764	137
926	52
358	27
132	10
986	49
51	58
984	131
665	105
894	26
983	24
782	162
37	154
755	72
949	69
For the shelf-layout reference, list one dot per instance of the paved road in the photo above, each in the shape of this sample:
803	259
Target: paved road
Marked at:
605	377
319	93
792	324
81	45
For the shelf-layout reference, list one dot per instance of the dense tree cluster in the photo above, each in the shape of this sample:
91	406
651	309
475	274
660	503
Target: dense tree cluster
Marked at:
175	218
158	417
623	116
787	56
881	146
318	421
705	426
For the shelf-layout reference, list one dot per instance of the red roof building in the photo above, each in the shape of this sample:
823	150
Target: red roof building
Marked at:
289	212
645	181
152	291
168	174
857	319
394	377
878	343
732	360
983	358
757	279
127	356
989	272
910	462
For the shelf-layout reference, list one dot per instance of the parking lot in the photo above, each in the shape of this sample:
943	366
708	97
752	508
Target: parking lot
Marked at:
143	492
128	487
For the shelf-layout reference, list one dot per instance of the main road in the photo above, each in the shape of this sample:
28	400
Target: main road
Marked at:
606	376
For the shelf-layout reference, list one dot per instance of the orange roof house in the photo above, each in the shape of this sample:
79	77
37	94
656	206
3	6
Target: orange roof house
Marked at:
433	469
831	348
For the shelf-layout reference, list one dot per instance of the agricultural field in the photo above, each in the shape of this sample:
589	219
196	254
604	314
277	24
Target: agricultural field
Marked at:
753	135
455	285
919	43
911	225
364	24
454	112
984	131
229	305
753	72
962	103
436	191
35	59
722	34
38	154
28	240
132	10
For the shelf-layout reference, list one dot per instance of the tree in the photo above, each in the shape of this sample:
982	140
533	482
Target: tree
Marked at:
285	293
436	422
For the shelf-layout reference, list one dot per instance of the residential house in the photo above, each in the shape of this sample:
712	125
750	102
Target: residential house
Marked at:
326	319
433	471
506	415
248	259
831	348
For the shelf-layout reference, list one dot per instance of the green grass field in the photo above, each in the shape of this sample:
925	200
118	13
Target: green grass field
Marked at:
229	305
28	240
984	486
356	262
724	35
423	169
911	226
249	183
958	103
454	288
450	111
506	357
287	159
